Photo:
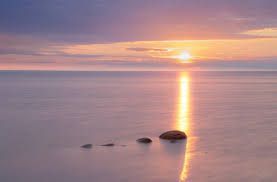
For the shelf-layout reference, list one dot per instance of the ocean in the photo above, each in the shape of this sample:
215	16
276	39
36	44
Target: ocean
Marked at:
230	119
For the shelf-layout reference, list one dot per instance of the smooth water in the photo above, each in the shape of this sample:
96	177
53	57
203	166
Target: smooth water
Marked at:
230	119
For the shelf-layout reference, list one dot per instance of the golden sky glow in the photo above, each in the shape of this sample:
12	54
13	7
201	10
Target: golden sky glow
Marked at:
245	49
168	53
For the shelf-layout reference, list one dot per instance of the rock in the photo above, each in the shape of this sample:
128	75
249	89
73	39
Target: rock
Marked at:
173	135
87	146
144	140
173	141
108	145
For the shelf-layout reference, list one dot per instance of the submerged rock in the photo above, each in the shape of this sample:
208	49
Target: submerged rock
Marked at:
87	146
144	140
173	135
108	145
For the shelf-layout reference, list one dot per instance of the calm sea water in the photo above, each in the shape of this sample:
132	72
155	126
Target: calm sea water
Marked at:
230	118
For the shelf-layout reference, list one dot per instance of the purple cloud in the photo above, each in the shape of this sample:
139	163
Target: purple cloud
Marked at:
100	21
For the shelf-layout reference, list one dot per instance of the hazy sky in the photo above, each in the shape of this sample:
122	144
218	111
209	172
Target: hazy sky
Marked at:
137	34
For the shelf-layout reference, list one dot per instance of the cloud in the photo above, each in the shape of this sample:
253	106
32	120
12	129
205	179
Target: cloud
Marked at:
46	54
265	32
142	49
101	21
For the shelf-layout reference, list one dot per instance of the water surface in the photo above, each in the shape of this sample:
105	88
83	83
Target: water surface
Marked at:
230	118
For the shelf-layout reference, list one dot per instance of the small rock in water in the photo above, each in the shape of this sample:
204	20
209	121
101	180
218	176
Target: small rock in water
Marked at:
144	140
108	145
87	146
173	135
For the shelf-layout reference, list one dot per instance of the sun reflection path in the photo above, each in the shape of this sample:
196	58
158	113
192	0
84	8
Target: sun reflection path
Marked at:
183	102
183	118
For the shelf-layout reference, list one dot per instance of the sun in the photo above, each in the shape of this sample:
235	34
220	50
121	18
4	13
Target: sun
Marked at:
185	57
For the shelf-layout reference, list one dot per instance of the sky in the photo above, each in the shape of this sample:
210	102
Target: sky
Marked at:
138	34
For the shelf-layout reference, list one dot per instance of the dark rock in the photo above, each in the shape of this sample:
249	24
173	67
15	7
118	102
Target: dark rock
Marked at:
144	140
87	146
173	135
108	145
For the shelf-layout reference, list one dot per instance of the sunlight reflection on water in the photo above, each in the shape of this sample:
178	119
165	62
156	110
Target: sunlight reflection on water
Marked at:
183	117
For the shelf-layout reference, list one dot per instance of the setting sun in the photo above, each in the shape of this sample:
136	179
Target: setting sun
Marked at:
185	57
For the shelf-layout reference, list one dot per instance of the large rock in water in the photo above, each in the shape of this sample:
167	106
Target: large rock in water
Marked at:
144	140
173	135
